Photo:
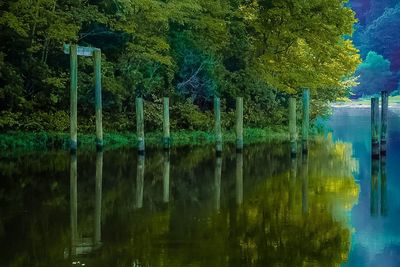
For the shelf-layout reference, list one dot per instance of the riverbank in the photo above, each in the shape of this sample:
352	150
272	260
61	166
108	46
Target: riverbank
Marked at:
28	141
394	103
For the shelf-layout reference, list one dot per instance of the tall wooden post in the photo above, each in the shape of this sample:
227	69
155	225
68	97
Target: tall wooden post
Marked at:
166	133
375	127
74	96
292	126
239	178
217	183
98	102
98	194
166	177
384	121
140	125
306	120
73	196
239	124
218	131
139	181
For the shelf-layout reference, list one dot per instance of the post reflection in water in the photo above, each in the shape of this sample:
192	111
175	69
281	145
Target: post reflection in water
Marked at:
217	183
374	187
304	184
166	176
98	191
74	201
139	181
384	208
292	181
239	178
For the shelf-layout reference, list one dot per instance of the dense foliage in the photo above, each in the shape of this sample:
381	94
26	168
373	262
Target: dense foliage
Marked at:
189	50
377	33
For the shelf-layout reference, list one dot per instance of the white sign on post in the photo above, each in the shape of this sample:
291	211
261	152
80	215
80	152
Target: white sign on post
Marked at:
82	50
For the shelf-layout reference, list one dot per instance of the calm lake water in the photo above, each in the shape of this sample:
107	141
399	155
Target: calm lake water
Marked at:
189	208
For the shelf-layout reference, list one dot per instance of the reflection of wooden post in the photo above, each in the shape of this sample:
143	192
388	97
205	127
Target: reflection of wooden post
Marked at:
166	134
73	195
304	185
139	181
306	120
74	96
218	131
239	124
140	124
98	190
292	126
239	178
98	104
217	183
166	177
384	121
375	127
292	182
384	204
374	186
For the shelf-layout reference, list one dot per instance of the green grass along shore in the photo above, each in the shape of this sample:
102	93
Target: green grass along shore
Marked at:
28	141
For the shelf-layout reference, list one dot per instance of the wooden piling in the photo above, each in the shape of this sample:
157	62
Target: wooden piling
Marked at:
239	178
304	184
292	127
74	97
98	102
98	196
166	172
140	125
384	121
375	127
306	120
218	131
239	124
166	132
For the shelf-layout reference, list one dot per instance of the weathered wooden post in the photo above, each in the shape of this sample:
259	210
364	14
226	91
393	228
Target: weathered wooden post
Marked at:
239	124
98	102
384	121
306	120
98	193
139	181
374	187
384	205
218	131
166	133
292	127
217	183
74	96
166	177
375	127
73	196
140	125
239	178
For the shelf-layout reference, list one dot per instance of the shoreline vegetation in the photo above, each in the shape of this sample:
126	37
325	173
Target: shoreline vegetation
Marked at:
30	141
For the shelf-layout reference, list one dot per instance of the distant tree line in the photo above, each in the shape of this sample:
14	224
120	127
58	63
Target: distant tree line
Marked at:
378	39
189	50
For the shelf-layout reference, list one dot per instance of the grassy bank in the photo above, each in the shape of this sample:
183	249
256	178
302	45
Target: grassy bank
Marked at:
17	141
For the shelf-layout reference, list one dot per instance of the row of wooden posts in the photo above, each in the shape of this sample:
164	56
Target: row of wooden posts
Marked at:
379	138
74	51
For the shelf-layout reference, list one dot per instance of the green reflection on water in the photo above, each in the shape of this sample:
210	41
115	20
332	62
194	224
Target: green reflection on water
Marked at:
187	208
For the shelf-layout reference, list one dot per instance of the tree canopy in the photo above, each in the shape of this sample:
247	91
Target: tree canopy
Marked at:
189	50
